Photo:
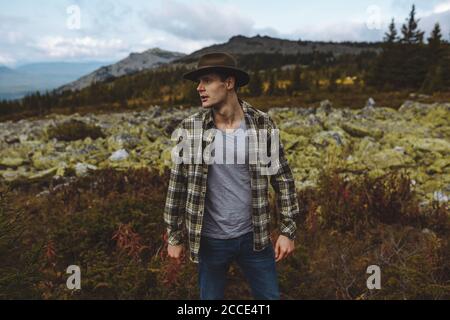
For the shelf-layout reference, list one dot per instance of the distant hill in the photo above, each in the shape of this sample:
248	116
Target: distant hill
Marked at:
241	45
134	63
237	45
5	70
16	83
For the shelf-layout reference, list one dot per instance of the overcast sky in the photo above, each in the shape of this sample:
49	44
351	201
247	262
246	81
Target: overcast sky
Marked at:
102	30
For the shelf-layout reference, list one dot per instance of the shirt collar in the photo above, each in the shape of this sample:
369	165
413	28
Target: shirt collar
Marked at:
249	115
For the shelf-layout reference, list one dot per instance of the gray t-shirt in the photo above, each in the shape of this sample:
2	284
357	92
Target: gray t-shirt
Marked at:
228	202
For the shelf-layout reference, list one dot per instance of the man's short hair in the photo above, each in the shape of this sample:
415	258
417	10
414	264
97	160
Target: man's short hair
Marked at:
223	75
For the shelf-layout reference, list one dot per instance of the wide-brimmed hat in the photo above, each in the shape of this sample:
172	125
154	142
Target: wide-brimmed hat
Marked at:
218	61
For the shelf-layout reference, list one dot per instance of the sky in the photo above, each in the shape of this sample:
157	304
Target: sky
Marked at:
109	30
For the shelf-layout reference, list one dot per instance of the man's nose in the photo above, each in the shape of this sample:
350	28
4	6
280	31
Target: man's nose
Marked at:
200	87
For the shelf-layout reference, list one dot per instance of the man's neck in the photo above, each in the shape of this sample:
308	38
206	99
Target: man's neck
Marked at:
229	114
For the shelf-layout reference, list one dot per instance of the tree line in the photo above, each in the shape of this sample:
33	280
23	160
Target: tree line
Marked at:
407	62
166	86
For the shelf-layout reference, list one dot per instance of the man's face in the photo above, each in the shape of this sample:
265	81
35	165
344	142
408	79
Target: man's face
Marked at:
212	90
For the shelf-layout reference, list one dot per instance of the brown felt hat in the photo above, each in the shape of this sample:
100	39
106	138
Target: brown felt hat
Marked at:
218	61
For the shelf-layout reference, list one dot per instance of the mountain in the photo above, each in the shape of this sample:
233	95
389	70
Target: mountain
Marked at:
60	68
16	83
49	76
134	63
5	70
241	45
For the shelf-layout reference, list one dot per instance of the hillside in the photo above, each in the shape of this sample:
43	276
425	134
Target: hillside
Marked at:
241	45
134	63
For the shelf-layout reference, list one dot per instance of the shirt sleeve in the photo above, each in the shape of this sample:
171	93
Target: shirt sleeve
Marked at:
174	210
286	195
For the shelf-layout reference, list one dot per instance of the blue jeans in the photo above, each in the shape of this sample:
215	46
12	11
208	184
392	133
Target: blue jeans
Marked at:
259	268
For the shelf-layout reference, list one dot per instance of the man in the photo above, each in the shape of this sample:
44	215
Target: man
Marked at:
225	206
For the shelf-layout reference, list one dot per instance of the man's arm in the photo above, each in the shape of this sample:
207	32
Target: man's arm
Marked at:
284	185
175	204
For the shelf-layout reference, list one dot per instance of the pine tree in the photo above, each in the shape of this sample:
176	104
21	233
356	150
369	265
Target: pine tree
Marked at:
444	54
333	77
410	31
435	41
434	80
296	84
255	85
387	71
391	36
414	62
446	67
272	84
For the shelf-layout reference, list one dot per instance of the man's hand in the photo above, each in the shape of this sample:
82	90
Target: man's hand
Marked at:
283	248
176	252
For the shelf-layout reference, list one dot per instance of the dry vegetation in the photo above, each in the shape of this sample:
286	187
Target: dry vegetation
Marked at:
110	224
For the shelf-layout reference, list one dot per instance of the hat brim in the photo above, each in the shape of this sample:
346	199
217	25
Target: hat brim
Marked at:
242	77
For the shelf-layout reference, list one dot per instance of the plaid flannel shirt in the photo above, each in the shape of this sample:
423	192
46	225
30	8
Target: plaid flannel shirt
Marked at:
184	207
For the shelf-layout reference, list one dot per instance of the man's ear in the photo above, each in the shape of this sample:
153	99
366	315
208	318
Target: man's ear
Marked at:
231	82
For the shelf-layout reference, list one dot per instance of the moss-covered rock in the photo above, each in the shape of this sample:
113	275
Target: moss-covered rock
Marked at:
388	159
375	140
432	145
360	130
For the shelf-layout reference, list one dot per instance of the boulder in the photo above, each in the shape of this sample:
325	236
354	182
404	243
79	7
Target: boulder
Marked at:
11	162
326	138
431	145
360	130
389	159
82	169
119	155
370	104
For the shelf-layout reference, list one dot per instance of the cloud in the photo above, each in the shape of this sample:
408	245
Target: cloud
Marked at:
427	23
111	17
269	31
359	31
61	47
9	34
111	30
442	7
14	37
167	41
6	60
404	6
7	20
344	31
198	20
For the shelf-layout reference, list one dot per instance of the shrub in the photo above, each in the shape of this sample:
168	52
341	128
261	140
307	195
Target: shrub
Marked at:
19	260
110	223
366	202
74	130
